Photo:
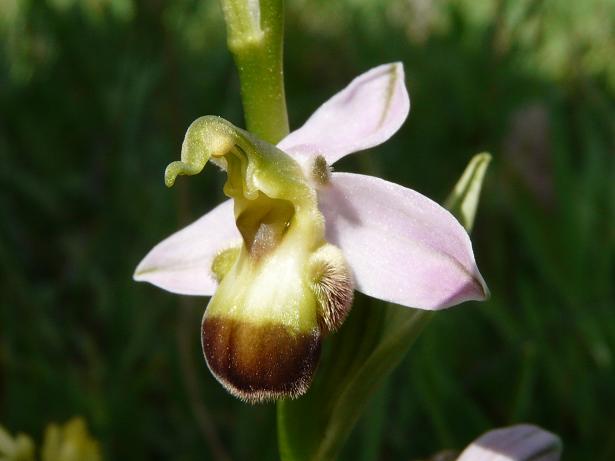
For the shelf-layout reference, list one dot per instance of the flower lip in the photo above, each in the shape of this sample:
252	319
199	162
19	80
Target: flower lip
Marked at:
259	363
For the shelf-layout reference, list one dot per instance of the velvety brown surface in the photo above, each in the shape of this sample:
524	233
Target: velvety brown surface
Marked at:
260	361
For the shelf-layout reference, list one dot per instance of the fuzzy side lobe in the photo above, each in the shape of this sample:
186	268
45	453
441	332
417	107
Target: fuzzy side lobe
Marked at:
260	362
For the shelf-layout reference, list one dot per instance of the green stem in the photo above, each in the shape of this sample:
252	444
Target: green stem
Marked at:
255	32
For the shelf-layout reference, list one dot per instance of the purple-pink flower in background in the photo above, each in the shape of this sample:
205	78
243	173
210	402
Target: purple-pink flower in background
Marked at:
523	442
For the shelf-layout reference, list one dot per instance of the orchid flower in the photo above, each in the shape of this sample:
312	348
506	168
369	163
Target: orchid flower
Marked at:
281	259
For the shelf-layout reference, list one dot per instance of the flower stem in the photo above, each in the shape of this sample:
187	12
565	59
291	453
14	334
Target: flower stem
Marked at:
255	30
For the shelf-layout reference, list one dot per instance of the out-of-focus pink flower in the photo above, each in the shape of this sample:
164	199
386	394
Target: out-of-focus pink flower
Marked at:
523	442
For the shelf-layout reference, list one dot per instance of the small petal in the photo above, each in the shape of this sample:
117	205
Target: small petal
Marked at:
523	442
364	114
182	262
401	246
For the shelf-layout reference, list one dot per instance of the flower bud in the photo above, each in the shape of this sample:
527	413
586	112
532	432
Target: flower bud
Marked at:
262	330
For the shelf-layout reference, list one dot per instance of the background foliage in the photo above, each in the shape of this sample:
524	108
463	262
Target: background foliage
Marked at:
95	96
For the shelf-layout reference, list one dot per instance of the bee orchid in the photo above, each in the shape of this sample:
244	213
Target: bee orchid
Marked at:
282	257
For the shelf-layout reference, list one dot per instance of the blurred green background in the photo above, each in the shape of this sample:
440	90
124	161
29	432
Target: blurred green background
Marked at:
95	96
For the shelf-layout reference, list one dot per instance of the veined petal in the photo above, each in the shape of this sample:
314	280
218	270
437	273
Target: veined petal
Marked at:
401	246
182	262
523	442
364	114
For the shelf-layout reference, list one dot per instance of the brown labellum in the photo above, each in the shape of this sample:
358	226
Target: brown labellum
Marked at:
260	362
